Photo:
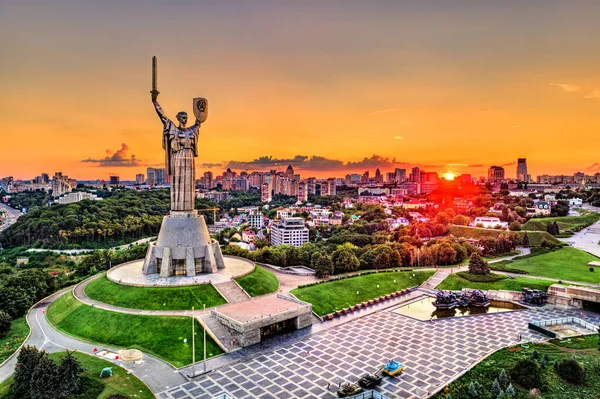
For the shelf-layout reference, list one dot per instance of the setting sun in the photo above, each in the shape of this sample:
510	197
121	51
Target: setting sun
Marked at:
449	176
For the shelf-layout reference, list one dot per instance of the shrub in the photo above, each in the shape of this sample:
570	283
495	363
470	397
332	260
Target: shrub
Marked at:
591	269
510	391
503	379
535	355
496	390
481	278
477	265
5	322
527	373
475	389
116	396
570	370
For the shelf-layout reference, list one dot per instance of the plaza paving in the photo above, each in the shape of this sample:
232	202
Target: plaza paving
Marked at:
433	353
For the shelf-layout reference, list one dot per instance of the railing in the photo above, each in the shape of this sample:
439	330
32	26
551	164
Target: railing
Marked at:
368	395
222	396
538	325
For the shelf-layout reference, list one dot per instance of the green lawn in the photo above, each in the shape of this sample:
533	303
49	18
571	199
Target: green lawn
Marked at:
488	370
120	383
331	296
259	282
161	336
15	337
584	342
564	264
564	223
535	237
455	282
163	298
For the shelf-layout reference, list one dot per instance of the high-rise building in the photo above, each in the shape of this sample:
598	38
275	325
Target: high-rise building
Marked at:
255	179
378	176
302	192
289	172
522	169
256	219
390	177
139	178
289	231
400	175
495	174
311	186
365	177
155	176
114	180
265	192
61	184
415	175
207	180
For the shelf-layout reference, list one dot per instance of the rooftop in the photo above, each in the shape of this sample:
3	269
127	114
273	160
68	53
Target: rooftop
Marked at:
257	308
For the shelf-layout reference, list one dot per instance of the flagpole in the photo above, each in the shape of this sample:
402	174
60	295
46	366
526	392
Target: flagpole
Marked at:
193	344
204	342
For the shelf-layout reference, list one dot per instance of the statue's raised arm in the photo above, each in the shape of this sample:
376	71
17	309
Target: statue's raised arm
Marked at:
159	110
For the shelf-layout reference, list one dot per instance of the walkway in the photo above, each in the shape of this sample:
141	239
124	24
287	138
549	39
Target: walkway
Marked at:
586	240
231	292
435	280
156	373
433	353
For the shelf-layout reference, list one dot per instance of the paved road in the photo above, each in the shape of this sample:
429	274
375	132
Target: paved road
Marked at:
11	216
154	372
586	240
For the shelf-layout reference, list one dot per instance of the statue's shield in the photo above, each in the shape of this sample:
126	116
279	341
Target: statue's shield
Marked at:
200	107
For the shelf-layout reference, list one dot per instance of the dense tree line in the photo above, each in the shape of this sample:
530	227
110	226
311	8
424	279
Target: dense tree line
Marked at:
120	218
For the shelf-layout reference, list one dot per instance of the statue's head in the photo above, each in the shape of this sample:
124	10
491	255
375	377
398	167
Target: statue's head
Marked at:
182	117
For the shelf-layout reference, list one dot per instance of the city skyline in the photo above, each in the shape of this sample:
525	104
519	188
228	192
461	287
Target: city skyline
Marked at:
445	88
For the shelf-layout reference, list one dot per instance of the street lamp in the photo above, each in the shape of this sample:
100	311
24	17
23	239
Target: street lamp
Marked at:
204	309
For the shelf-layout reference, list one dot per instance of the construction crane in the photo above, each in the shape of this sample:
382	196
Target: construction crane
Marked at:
214	213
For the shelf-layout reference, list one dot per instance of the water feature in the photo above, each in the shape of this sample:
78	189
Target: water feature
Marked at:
423	309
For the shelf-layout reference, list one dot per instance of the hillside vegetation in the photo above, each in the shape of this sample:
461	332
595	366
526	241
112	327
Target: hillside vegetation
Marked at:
574	223
535	237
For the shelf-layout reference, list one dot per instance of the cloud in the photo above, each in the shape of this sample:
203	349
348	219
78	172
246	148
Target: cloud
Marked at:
117	158
398	137
566	86
383	111
595	167
593	94
210	165
315	162
476	165
515	126
509	164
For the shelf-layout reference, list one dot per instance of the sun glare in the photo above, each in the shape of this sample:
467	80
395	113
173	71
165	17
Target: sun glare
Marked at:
449	176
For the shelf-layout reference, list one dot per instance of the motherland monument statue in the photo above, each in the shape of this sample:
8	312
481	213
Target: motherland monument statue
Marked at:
184	246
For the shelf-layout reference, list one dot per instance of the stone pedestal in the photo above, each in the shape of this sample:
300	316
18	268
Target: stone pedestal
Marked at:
184	247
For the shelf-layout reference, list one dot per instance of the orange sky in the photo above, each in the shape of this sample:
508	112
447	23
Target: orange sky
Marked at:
445	86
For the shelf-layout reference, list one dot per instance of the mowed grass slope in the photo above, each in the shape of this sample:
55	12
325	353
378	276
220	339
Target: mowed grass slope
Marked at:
259	282
454	282
150	298
476	233
121	382
161	336
15	337
564	223
331	296
563	264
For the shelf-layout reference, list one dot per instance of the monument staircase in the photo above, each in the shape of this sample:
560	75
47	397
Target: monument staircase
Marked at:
217	331
434	280
231	292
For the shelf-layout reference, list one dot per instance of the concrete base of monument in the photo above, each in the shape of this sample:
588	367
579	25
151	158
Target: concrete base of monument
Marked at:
131	273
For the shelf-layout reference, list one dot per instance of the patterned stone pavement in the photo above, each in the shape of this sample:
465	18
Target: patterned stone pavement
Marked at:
432	352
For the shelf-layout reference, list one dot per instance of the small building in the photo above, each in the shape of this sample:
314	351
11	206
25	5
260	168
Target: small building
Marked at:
489	223
249	322
22	260
542	208
417	217
575	202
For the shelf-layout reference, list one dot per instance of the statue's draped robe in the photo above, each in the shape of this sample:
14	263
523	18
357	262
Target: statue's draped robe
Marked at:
180	147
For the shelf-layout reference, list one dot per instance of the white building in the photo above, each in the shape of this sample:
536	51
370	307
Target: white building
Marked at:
542	208
489	223
256	219
575	202
289	231
76	197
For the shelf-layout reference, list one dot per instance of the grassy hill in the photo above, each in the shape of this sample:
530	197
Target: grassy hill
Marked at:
574	223
535	237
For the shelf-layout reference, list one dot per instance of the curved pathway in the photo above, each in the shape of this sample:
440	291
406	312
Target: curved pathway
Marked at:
156	373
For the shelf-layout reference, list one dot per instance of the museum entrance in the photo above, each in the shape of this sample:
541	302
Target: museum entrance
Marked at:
277	328
590	305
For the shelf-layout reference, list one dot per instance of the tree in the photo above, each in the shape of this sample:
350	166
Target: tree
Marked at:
475	389
510	391
345	261
26	363
323	265
503	379
44	380
496	389
570	370
461	220
526	240
5	323
477	265
527	373
68	375
514	226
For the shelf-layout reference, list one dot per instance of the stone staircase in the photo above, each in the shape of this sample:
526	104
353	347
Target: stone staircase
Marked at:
231	291
218	332
434	280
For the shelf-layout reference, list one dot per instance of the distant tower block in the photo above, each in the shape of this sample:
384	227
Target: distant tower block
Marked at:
183	248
